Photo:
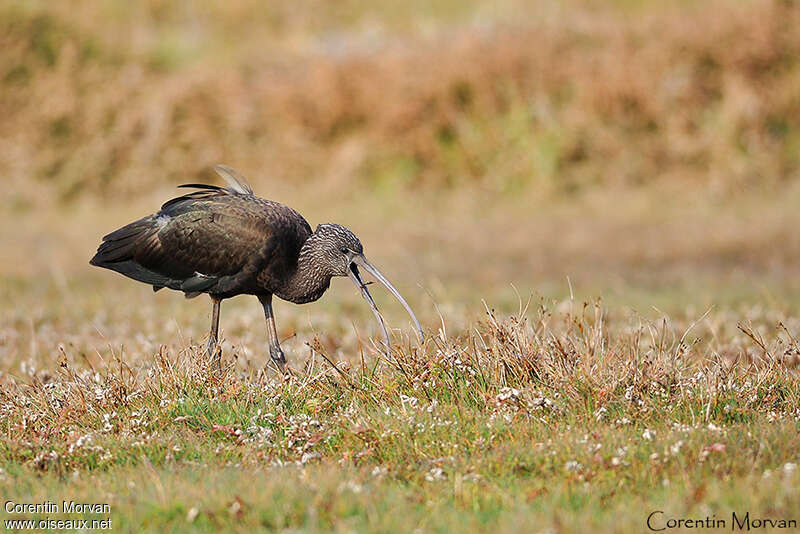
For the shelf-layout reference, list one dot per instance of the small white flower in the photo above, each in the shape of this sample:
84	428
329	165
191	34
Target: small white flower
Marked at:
308	456
436	473
379	471
508	393
572	465
648	434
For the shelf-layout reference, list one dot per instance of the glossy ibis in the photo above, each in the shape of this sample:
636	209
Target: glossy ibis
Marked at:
226	241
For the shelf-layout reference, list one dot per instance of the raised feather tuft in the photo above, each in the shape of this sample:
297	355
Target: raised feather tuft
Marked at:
236	181
237	185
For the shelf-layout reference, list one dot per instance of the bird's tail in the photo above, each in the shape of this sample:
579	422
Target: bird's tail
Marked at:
120	245
118	249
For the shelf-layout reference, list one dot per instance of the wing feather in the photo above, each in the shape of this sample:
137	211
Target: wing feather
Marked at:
236	181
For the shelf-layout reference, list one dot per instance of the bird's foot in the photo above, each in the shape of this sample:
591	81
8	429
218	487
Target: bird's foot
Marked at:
277	356
214	354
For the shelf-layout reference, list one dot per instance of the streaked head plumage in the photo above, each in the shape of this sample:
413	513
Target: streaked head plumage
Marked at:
340	235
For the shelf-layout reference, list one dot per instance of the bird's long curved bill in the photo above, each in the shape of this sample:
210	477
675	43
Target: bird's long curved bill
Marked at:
361	261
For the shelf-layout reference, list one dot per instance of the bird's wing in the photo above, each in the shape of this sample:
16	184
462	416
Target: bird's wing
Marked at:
213	240
203	242
213	246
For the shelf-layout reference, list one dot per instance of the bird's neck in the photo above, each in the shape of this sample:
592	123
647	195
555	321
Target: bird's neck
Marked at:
311	278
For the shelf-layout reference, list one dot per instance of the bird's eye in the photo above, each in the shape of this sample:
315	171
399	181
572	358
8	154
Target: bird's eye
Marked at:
343	250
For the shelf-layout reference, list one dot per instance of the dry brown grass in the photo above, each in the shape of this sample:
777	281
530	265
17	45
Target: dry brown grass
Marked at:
554	97
560	363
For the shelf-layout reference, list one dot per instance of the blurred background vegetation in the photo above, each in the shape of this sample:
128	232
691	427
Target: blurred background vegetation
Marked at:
110	97
650	151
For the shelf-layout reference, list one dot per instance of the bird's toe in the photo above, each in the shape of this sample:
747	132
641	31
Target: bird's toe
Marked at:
277	354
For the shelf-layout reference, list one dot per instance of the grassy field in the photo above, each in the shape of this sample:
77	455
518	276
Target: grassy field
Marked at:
557	416
591	206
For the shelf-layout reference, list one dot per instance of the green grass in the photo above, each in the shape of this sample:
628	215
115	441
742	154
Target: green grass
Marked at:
329	498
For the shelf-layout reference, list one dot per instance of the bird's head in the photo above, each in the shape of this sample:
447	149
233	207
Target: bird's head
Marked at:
336	245
343	255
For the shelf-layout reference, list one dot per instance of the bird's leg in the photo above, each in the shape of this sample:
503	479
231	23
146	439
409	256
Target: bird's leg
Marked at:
213	337
275	351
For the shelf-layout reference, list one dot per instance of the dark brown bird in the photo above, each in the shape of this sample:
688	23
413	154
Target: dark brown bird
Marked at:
225	241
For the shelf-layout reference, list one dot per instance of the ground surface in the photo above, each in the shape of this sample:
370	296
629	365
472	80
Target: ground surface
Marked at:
597	234
576	411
